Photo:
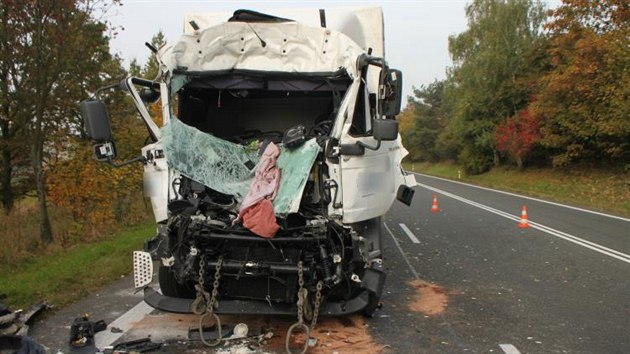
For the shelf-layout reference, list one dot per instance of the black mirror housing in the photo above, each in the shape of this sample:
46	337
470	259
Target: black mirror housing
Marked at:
105	151
391	95
385	129
96	120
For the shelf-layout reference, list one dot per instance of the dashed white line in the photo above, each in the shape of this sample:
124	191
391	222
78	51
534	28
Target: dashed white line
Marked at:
124	322
410	234
563	235
509	349
526	197
413	270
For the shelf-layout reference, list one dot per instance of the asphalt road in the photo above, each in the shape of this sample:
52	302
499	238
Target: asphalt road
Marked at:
464	279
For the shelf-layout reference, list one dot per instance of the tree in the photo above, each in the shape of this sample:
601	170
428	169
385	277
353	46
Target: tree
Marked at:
489	61
518	135
429	120
584	99
55	50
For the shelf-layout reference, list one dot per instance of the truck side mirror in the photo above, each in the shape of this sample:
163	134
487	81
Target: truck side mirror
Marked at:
96	120
385	129
98	128
391	92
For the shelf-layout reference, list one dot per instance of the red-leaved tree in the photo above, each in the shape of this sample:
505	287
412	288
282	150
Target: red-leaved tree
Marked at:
517	135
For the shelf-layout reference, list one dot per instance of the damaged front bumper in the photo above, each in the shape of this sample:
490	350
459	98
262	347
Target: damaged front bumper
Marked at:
371	284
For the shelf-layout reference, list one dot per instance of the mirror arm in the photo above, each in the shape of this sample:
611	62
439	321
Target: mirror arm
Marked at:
378	145
125	163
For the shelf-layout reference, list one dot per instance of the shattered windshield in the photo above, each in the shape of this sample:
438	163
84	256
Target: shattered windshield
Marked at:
229	167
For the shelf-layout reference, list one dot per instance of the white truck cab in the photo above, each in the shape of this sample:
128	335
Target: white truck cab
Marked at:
278	156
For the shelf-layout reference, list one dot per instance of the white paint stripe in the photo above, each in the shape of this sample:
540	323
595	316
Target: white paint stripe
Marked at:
105	338
563	235
509	349
413	270
412	237
526	197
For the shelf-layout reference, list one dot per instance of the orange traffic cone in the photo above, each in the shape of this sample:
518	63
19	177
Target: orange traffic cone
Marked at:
524	223
434	207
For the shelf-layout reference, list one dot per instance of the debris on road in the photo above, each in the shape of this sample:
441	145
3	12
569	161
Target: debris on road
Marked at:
82	333
15	322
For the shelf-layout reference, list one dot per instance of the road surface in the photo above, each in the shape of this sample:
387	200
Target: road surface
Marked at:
464	279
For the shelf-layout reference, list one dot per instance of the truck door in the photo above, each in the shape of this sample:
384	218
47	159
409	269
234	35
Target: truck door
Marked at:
369	179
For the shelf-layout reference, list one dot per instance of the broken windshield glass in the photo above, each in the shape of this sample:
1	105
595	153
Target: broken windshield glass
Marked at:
229	168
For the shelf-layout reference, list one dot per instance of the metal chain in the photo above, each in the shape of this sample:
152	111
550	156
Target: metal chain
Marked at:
318	301
209	301
302	299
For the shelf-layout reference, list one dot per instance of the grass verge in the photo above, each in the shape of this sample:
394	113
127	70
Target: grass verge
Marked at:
68	275
600	190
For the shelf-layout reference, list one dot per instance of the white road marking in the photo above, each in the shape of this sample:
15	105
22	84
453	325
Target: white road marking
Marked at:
413	270
526	197
105	338
509	349
412	237
563	235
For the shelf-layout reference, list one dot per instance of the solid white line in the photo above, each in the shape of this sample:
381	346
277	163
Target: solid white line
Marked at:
563	235
105	338
509	349
526	197
412	237
413	270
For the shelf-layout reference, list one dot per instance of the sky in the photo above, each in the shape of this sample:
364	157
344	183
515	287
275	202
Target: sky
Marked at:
416	32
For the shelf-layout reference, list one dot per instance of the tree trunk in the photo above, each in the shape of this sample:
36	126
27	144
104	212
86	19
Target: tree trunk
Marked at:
519	162
38	169
7	170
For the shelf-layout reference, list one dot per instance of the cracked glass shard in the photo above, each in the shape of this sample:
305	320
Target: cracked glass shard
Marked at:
295	167
219	164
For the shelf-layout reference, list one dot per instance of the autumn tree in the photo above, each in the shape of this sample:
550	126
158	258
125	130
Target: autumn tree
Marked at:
517	135
585	98
489	60
54	49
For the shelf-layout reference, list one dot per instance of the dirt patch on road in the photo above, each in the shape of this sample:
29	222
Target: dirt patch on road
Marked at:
337	334
341	335
429	299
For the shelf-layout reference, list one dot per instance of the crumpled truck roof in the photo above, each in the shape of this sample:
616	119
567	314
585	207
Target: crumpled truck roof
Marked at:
302	46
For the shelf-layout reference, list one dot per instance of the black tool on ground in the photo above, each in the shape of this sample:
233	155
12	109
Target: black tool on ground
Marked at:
294	137
82	331
142	345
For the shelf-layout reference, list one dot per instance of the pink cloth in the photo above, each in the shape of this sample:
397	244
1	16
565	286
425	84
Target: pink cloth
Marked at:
264	187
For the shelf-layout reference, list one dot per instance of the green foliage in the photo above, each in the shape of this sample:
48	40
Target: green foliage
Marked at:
429	119
485	83
66	275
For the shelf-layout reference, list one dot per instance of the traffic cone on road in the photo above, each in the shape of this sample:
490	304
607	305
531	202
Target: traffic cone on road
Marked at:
434	207
524	222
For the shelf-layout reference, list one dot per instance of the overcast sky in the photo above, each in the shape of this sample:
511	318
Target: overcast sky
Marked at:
416	32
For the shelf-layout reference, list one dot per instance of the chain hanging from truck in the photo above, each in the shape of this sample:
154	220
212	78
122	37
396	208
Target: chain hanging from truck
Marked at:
205	303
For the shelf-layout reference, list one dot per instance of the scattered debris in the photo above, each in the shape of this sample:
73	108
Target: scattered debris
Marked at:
82	333
15	322
142	345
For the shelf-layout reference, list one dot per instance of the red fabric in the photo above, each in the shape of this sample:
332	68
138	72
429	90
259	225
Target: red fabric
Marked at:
260	219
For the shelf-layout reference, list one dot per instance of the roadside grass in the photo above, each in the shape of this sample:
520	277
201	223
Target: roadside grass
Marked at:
600	190
65	275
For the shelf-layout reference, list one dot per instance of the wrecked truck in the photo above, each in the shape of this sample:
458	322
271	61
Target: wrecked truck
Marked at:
278	156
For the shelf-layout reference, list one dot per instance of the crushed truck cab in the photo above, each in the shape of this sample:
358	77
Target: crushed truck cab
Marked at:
278	156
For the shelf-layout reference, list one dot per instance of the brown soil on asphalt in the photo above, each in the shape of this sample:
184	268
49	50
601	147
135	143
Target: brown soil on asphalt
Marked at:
429	299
